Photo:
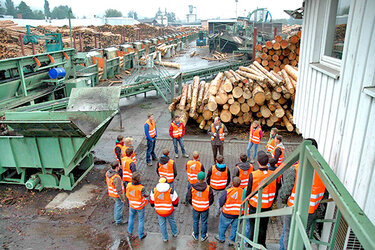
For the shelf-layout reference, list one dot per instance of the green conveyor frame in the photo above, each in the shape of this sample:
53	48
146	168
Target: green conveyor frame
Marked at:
47	149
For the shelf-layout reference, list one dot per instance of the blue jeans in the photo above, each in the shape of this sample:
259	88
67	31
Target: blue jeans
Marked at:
150	150
141	221
181	141
249	146
171	184
282	239
203	216
163	225
187	192
118	210
223	226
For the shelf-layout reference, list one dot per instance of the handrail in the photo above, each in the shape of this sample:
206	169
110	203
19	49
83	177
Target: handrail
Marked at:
309	160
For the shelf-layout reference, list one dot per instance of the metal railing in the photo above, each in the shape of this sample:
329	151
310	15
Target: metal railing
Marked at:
309	160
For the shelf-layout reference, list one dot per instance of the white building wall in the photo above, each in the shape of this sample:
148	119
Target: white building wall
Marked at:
336	112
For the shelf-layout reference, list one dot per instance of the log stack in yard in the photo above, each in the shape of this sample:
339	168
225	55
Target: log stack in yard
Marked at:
241	96
275	55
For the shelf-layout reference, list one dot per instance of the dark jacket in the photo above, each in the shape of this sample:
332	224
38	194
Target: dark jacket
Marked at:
222	200
118	153
286	188
117	183
200	186
242	165
164	160
216	140
209	173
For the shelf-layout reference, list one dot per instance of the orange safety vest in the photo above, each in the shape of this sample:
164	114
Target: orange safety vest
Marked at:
126	172
112	192
317	192
281	157
200	199
163	202
221	132
123	153
134	195
177	130
193	167
270	144
254	136
269	191
234	199
218	179
151	128
120	146
167	170
244	175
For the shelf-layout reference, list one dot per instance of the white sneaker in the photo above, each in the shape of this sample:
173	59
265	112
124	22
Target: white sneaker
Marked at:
176	156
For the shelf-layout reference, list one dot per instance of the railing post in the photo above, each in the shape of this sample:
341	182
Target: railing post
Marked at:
301	199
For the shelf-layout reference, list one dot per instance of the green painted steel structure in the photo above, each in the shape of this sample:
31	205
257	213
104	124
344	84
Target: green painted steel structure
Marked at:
48	149
309	159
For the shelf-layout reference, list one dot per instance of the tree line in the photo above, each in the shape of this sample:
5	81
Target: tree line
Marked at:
23	10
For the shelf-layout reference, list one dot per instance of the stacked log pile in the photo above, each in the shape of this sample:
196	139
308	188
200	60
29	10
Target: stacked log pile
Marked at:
240	97
276	54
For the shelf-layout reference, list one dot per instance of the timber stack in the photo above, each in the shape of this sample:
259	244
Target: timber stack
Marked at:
276	54
240	97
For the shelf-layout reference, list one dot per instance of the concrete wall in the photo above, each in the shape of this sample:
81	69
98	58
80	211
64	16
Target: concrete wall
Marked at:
330	103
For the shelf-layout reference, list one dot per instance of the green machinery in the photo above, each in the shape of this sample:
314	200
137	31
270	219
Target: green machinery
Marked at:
53	40
310	160
47	149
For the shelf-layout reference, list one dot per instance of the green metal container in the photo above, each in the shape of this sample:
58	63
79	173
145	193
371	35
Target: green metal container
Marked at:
52	149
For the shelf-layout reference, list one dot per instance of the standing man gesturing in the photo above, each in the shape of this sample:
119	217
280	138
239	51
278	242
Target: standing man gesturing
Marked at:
151	135
217	131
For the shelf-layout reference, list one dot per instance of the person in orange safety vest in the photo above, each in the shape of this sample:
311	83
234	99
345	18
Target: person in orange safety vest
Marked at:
177	132
129	144
218	131
116	191
271	141
164	198
136	194
243	170
279	151
287	195
201	198
167	167
118	148
255	136
193	167
151	134
230	201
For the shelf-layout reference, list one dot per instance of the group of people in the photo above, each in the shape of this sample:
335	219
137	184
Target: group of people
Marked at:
204	187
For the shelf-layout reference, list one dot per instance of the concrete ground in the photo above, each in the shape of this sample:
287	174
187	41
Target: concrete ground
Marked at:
26	223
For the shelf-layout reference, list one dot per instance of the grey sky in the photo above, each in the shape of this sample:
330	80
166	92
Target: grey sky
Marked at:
205	8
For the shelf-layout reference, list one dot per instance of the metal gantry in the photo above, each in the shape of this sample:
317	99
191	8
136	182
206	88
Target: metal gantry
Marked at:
309	159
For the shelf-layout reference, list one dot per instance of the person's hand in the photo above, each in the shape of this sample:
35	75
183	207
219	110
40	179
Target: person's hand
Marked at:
214	134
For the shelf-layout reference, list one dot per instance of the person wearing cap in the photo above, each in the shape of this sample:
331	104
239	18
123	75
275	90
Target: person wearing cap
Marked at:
177	132
129	144
268	197
151	134
193	167
230	201
218	177
167	167
201	197
164	198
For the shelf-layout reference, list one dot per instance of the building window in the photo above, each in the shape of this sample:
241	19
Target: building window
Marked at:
338	13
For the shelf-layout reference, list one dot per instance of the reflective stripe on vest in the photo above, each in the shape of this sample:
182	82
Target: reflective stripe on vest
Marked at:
200	199
317	191
281	157
218	179
163	202
254	135
269	191
126	171
123	153
244	175
167	170
192	169
234	199
151	128
221	132
112	192
134	195
270	144
177	130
